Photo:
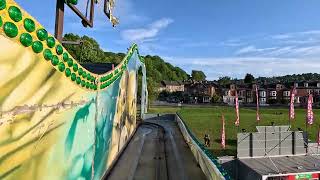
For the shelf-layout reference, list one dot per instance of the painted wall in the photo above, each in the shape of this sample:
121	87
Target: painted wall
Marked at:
57	120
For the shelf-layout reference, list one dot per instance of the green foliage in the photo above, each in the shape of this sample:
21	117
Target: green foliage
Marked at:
291	78
248	78
216	99
89	51
157	69
272	101
198	75
223	81
160	70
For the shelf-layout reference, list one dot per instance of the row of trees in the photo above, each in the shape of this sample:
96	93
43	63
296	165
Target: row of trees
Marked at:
226	80
249	78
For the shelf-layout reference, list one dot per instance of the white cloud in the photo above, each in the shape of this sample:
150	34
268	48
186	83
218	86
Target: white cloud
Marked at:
285	51
149	32
253	49
237	67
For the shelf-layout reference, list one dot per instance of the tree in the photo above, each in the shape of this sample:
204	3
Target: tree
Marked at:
249	78
198	75
216	99
223	81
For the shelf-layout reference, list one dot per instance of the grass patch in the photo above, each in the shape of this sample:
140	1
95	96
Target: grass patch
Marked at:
208	120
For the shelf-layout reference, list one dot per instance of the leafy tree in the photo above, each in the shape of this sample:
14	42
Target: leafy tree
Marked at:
248	78
223	81
198	75
216	99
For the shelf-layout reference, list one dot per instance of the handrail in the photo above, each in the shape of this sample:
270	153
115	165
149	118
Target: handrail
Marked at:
213	158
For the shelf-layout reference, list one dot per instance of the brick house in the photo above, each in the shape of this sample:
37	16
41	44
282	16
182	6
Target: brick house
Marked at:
201	92
273	93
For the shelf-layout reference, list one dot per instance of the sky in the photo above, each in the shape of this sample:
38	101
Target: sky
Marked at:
219	37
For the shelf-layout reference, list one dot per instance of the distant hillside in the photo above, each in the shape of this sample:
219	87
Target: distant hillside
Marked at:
157	68
291	78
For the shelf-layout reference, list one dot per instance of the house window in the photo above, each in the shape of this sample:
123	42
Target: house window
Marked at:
263	100
286	93
318	84
273	93
262	94
306	84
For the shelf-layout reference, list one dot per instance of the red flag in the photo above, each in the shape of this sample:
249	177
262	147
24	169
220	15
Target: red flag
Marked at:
309	110
318	139
257	96
291	110
237	111
223	134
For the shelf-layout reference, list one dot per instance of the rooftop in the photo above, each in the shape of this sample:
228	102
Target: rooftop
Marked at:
284	164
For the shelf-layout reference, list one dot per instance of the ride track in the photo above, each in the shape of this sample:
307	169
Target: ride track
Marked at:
156	151
160	165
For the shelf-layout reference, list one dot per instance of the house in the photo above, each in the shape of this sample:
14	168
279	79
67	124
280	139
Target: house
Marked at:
171	86
262	94
272	93
201	92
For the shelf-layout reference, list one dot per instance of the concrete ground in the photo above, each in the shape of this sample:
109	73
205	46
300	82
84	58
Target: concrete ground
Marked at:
157	153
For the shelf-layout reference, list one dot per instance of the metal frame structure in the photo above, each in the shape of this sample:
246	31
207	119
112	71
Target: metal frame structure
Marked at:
60	17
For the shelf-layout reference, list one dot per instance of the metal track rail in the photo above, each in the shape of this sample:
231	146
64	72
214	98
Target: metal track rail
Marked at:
160	153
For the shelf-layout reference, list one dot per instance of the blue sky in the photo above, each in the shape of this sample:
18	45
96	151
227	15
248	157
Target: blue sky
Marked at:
220	37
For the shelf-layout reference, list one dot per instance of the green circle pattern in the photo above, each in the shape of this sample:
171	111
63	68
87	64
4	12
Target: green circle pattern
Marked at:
29	25
51	42
61	66
47	54
70	62
1	22
55	60
10	29
80	71
37	47
78	80
83	83
26	39
3	4
42	34
75	67
74	2
59	49
65	57
15	13
68	72
73	77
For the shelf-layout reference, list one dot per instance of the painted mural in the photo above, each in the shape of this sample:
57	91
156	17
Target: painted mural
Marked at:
58	120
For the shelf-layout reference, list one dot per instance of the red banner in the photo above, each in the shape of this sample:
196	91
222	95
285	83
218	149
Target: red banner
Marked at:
291	110
257	97
223	134
237	111
309	110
